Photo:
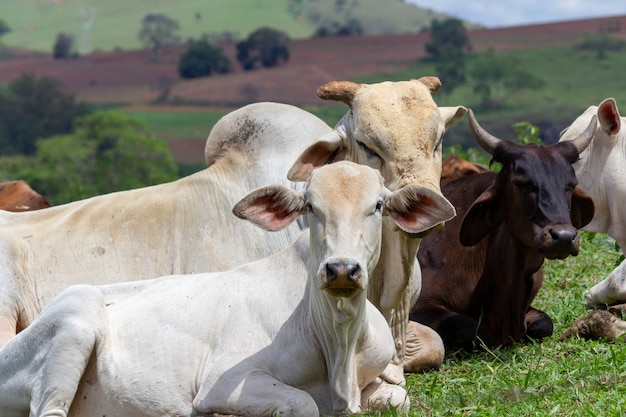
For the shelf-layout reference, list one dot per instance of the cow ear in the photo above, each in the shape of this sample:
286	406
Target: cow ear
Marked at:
328	149
271	208
609	117
416	209
451	115
582	208
481	219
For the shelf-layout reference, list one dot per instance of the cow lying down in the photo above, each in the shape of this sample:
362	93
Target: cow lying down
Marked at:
601	172
292	334
481	272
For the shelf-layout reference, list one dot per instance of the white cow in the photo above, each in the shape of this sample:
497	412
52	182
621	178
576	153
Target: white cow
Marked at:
397	128
292	334
601	172
186	226
182	227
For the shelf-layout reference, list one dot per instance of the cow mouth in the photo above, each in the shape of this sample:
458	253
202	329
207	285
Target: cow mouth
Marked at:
342	292
560	242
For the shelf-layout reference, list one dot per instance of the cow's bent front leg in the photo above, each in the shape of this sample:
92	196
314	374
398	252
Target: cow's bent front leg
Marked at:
48	359
538	324
381	396
424	349
254	395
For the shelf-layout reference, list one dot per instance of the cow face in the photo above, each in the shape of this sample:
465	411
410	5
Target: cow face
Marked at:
600	170
395	127
534	194
344	204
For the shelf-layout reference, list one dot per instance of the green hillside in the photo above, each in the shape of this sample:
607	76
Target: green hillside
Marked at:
106	25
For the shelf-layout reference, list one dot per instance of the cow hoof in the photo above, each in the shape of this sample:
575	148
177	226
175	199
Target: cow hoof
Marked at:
424	348
394	374
380	396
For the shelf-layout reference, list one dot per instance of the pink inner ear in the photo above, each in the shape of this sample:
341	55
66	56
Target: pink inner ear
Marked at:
417	209
315	156
609	117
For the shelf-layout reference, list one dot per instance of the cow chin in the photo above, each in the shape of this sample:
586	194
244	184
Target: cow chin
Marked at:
342	292
560	251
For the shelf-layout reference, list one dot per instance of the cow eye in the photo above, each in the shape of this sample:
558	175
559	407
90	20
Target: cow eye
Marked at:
379	206
309	208
437	149
370	153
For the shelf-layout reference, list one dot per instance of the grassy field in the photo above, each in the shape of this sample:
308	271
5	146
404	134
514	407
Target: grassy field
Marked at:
104	26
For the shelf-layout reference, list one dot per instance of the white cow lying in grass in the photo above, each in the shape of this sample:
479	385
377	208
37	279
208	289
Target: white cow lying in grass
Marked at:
182	227
601	173
289	334
187	226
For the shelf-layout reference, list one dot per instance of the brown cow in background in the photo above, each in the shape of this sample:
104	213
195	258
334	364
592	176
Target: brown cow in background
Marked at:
18	196
454	168
481	272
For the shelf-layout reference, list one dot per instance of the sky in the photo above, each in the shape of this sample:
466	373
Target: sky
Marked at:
503	13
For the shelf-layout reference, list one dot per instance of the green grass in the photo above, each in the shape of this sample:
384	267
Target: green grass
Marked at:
172	125
115	23
552	378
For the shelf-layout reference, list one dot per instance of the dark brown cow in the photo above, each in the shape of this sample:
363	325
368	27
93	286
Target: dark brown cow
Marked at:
454	168
482	270
18	196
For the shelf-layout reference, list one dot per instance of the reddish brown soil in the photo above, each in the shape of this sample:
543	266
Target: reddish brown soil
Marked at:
132	77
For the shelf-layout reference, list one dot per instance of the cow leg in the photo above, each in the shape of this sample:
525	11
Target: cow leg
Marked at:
8	327
254	395
424	348
538	324
609	291
380	396
47	359
457	331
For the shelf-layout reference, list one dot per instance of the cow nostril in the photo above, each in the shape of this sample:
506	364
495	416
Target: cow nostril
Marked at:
340	269
563	234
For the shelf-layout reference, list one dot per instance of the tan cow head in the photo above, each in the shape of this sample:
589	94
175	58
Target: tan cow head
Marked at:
395	127
344	204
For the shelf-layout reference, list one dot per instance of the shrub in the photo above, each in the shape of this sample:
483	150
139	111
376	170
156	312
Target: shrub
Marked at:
202	59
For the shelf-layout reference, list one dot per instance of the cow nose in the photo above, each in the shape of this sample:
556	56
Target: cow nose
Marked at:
563	235
342	270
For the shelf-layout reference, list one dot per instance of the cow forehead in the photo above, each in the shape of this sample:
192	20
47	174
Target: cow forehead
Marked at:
335	185
402	112
542	164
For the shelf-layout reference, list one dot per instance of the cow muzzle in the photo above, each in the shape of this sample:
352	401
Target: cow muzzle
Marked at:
560	241
342	279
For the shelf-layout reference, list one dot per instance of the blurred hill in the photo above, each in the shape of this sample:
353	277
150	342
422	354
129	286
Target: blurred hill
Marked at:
114	24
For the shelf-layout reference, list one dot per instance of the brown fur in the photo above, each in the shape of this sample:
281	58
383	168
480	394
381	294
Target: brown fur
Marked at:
482	270
18	196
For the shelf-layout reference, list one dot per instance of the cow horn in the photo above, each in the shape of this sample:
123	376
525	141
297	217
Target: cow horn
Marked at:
338	91
487	141
582	141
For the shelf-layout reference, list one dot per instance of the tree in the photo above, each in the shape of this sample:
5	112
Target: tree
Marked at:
63	47
447	46
158	30
265	46
32	108
202	59
497	77
4	27
107	152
